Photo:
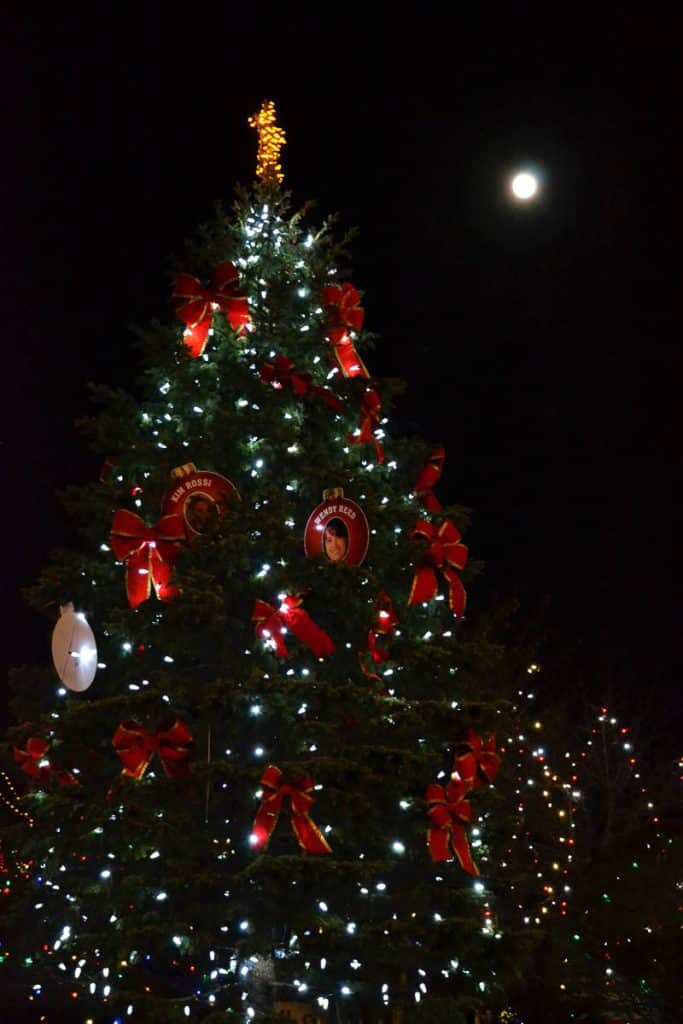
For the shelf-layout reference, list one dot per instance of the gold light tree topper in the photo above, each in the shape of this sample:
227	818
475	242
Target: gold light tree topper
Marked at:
271	139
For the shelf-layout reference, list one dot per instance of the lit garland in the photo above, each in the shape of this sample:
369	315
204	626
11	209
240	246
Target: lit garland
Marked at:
11	799
271	139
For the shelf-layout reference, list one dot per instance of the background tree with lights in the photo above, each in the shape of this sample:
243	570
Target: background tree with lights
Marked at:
614	952
310	781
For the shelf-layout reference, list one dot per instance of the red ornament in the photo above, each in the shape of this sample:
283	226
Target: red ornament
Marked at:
385	624
449	812
149	553
371	405
198	303
445	553
281	373
428	477
386	621
344	314
477	762
136	748
32	759
272	623
300	801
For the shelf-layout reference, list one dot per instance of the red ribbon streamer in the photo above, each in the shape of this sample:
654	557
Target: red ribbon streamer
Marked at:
29	757
290	615
197	304
281	373
478	762
445	553
369	420
149	553
344	314
136	748
300	800
428	477
449	812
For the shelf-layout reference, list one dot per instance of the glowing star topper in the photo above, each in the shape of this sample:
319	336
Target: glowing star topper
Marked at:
271	139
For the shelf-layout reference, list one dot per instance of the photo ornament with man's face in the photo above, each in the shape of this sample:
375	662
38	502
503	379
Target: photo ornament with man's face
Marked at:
200	497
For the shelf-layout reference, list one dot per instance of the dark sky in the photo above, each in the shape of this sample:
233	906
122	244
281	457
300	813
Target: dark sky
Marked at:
542	344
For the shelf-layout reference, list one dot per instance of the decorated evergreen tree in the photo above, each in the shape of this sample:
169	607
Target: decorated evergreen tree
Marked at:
287	789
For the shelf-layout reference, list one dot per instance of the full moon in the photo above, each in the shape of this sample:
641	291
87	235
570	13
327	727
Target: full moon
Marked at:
524	186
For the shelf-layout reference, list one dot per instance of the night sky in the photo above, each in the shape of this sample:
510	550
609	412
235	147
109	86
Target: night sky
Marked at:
541	344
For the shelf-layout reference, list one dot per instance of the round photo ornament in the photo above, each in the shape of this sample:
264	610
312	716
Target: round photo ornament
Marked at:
200	498
337	529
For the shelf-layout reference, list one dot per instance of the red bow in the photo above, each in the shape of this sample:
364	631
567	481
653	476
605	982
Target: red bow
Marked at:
273	623
300	800
478	761
149	553
369	420
281	372
136	747
446	553
428	477
198	303
344	313
449	812
29	760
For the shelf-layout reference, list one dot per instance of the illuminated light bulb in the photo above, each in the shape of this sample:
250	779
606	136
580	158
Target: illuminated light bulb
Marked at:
345	990
160	896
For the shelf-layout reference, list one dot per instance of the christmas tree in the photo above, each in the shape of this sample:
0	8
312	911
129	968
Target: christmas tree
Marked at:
287	790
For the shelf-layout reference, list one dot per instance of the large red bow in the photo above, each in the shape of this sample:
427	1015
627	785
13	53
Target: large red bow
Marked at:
344	314
445	553
281	373
477	762
272	623
300	800
428	477
449	812
136	747
149	553
369	420
32	759
198	303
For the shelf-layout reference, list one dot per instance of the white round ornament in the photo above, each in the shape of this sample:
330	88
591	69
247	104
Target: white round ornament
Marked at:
74	651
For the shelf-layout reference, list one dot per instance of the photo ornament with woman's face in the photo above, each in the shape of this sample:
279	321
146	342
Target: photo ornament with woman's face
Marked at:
337	531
